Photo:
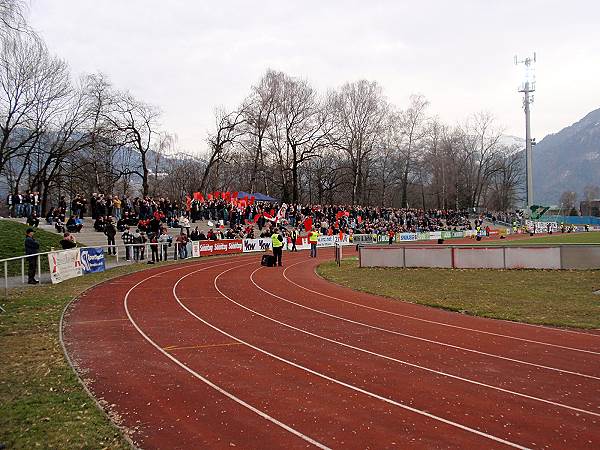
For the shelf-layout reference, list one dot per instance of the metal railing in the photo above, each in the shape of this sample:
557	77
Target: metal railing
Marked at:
121	252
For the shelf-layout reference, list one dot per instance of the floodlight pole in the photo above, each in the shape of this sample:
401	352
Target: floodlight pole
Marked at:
528	149
527	88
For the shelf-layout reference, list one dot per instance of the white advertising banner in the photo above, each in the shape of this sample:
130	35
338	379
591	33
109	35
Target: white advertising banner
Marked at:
408	236
64	265
256	245
541	227
330	241
195	249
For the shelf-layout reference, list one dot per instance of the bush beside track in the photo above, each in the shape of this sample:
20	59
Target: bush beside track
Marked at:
556	298
42	403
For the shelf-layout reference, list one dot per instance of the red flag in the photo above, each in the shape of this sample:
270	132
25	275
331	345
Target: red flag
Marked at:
198	196
235	194
209	196
256	218
308	224
341	235
347	213
227	196
339	214
217	195
272	212
251	200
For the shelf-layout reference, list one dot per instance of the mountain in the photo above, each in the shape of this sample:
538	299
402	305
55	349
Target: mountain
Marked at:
567	161
513	142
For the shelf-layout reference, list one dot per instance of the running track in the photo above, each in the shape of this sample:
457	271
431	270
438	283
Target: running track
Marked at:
223	353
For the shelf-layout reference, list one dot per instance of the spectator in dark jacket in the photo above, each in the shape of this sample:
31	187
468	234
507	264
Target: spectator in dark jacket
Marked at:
68	241
31	248
110	231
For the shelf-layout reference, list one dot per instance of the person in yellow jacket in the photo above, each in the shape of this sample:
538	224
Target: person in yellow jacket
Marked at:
277	245
313	238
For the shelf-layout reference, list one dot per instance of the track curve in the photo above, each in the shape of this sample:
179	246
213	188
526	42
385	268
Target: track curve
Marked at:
221	352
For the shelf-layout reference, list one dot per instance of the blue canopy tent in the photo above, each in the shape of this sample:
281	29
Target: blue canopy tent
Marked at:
257	196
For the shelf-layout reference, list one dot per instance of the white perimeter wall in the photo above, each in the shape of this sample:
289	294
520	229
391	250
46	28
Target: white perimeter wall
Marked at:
482	257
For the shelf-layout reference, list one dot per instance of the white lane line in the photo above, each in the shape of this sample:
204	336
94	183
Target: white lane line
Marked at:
430	341
334	380
436	322
206	381
417	366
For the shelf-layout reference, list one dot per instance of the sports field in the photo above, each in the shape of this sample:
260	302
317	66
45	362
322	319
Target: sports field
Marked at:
592	237
558	298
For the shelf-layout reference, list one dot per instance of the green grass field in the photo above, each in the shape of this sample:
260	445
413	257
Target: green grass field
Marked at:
557	298
592	237
12	244
42	404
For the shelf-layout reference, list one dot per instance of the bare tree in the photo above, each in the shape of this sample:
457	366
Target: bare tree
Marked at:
12	17
359	110
300	129
137	124
258	116
228	130
480	147
33	86
68	134
413	129
568	200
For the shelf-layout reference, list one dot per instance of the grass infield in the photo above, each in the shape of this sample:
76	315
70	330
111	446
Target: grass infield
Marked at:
591	237
546	297
42	404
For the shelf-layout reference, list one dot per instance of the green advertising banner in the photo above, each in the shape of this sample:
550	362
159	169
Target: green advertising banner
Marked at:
423	236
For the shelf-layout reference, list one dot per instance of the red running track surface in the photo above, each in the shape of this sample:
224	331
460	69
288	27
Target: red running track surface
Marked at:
222	352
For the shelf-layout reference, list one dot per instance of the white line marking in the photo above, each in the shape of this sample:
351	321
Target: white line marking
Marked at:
208	382
336	381
440	323
410	336
467	380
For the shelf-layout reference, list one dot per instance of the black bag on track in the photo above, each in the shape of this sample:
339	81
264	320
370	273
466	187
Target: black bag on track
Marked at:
267	260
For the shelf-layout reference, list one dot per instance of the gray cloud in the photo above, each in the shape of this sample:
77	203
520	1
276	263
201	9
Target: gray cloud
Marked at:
190	56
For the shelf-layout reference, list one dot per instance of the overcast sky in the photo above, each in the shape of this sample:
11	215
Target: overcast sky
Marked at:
189	56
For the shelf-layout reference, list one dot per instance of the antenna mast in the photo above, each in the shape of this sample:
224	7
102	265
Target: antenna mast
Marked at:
527	88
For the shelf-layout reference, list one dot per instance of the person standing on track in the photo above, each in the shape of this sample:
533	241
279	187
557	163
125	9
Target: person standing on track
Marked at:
313	237
294	236
277	244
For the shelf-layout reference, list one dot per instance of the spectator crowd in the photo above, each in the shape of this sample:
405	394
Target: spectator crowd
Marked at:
142	220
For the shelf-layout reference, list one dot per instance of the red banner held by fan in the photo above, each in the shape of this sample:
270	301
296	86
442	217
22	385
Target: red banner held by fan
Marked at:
308	224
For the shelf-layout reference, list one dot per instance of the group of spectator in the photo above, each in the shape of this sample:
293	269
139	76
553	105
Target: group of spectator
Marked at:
23	204
142	220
